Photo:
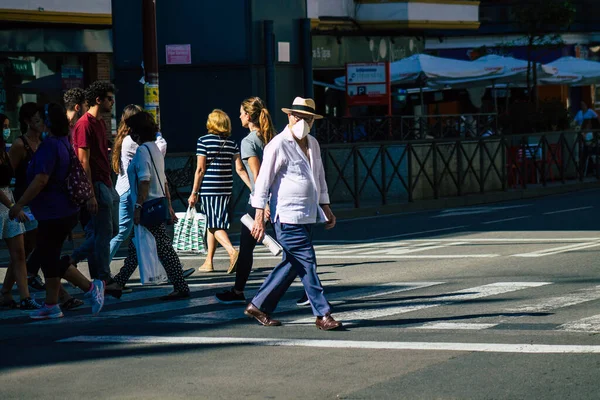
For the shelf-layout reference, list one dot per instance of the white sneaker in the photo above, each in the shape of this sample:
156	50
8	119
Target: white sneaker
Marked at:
96	295
47	312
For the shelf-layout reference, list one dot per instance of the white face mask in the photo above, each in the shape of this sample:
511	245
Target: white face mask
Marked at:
300	129
6	133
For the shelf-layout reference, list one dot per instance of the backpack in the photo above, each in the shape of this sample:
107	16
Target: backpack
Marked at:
77	183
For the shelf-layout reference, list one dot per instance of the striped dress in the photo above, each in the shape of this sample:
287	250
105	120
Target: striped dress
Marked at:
215	191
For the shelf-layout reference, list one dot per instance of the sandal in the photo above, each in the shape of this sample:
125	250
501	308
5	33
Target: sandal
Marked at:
71	304
206	268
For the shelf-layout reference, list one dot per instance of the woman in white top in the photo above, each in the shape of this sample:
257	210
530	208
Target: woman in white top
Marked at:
147	181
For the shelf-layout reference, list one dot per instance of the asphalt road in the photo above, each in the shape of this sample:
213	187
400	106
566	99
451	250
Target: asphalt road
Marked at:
494	302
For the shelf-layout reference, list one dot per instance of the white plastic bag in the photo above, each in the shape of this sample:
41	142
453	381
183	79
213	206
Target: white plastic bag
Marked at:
189	232
151	270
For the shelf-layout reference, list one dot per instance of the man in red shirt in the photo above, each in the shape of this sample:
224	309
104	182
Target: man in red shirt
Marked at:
91	145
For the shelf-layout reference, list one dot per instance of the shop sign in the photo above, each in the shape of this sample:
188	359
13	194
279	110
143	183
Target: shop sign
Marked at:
332	52
367	84
179	54
22	68
72	76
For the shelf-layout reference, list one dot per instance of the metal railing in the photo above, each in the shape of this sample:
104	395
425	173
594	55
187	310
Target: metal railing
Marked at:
368	129
371	174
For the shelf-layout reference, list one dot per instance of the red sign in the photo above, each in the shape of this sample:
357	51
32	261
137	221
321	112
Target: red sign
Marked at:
179	54
367	84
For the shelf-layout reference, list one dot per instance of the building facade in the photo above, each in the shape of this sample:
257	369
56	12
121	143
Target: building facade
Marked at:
499	34
365	31
214	55
48	46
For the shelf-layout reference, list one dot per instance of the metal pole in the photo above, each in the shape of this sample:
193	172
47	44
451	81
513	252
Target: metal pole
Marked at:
151	97
270	63
307	58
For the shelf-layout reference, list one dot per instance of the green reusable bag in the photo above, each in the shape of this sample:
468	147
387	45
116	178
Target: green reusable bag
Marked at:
190	232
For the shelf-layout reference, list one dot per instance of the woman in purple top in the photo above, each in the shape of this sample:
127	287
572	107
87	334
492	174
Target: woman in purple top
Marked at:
49	199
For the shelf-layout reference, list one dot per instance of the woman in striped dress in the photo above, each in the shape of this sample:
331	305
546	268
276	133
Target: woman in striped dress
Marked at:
213	182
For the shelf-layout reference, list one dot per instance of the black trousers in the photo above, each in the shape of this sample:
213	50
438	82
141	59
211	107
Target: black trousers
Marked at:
51	236
245	258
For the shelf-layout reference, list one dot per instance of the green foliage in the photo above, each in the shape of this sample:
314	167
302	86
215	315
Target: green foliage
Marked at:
543	20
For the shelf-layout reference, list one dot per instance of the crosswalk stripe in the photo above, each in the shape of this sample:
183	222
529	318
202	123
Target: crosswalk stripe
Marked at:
290	305
454	325
558	250
553	303
406	306
590	325
526	348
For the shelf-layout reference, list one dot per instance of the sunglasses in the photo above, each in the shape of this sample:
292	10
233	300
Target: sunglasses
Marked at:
307	118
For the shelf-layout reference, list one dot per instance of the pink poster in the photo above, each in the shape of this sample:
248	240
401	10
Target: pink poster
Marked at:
179	54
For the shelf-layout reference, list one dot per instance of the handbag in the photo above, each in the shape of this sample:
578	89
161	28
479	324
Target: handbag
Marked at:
189	232
77	183
155	211
152	271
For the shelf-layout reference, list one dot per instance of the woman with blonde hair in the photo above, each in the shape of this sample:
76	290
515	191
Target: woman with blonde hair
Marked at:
213	182
254	116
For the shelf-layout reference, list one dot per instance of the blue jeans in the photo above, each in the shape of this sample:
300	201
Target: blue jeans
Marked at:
101	228
125	223
299	259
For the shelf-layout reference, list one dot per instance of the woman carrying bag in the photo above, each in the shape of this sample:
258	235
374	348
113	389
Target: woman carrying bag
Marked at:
152	205
51	201
213	182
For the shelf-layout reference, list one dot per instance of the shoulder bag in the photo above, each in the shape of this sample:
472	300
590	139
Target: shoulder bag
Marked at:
155	211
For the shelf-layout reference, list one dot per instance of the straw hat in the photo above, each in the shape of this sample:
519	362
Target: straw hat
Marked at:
302	106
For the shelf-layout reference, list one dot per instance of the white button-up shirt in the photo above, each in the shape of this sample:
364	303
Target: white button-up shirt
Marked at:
297	185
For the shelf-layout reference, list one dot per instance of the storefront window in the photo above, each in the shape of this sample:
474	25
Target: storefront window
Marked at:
40	78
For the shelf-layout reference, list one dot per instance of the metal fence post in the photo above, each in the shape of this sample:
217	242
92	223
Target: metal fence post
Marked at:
479	148
383	150
436	189
459	175
410	179
356	183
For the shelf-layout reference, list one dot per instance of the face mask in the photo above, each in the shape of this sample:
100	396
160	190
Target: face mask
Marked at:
44	135
300	129
6	133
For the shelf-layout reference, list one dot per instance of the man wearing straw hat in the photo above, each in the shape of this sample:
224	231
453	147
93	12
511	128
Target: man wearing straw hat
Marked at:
292	173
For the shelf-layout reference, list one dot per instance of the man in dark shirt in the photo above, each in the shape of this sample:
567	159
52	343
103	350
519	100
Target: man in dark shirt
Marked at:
91	145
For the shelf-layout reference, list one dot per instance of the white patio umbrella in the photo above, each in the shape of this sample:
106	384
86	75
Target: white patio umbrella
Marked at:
424	69
514	72
588	71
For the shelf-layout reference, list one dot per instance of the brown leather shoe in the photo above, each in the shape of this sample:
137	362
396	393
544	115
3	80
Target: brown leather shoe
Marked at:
327	323
260	316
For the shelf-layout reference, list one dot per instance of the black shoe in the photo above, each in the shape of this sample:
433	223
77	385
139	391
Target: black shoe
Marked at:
29	304
188	272
303	301
126	289
176	296
230	297
35	282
